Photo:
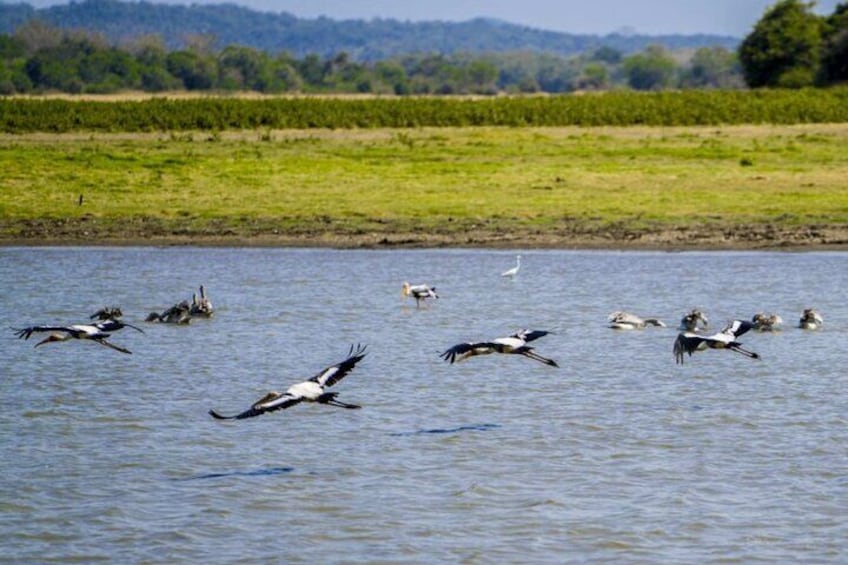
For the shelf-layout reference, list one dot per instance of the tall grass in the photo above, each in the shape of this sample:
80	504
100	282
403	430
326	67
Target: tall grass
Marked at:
685	108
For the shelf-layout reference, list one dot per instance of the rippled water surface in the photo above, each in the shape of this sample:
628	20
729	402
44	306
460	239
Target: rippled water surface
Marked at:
620	455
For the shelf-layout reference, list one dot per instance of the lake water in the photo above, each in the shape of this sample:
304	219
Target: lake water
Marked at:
619	455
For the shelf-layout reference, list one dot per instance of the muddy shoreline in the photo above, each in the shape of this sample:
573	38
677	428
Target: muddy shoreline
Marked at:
671	238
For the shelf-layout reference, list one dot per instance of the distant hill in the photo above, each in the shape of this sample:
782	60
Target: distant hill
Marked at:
363	40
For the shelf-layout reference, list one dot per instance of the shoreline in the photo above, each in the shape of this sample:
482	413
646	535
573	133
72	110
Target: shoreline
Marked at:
675	238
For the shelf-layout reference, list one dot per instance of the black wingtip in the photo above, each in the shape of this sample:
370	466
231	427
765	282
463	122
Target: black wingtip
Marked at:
218	416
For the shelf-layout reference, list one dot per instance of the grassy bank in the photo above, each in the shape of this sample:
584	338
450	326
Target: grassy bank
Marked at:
707	186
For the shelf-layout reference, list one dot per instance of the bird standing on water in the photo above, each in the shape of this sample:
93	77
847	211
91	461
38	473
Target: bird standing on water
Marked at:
766	323
513	271
203	306
810	320
107	313
694	320
514	344
690	342
311	390
419	292
628	321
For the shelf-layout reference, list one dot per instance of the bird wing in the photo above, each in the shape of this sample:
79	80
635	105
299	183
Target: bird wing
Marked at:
686	342
423	290
268	403
114	325
737	327
334	373
467	350
529	335
25	333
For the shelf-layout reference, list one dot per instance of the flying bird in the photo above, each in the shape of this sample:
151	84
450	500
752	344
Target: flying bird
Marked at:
628	321
514	344
690	342
513	271
694	321
419	292
311	390
810	320
64	333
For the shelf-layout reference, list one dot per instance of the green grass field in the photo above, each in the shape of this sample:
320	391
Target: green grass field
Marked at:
429	180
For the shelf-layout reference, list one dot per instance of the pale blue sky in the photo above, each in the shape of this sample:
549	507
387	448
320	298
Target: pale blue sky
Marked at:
728	17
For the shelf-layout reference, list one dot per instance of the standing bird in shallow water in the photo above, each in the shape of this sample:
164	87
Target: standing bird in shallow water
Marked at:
419	292
628	321
766	323
689	342
694	321
107	313
201	307
176	314
311	390
77	331
810	320
514	344
513	271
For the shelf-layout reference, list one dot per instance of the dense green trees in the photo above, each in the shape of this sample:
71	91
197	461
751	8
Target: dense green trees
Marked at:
792	47
784	47
834	62
38	58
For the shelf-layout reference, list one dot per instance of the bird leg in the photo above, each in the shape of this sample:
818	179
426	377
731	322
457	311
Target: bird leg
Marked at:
537	357
341	404
329	398
739	349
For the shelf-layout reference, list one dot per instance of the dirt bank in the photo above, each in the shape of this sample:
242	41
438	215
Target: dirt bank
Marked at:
707	237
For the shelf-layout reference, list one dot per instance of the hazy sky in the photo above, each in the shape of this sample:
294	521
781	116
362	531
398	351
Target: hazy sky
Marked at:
728	17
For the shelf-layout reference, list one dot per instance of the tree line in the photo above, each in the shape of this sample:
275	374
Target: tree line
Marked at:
789	47
372	40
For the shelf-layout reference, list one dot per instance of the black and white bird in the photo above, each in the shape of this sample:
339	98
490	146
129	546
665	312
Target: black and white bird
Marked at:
419	292
515	344
628	321
767	322
694	321
810	320
91	332
690	342
201	306
513	271
311	390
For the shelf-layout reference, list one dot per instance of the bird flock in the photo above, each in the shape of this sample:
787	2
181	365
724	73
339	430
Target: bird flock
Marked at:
109	321
692	338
